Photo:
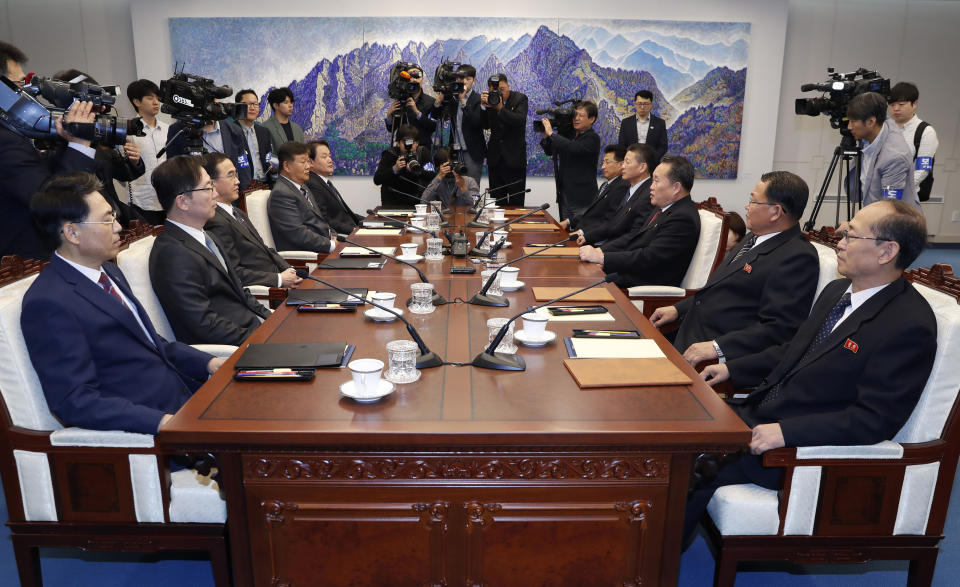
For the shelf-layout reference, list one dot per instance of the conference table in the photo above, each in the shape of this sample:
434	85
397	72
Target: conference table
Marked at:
467	476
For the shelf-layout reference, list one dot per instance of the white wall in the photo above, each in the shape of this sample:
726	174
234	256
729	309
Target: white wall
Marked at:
910	40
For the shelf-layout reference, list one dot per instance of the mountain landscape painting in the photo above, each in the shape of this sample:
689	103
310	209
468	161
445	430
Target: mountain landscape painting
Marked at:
338	70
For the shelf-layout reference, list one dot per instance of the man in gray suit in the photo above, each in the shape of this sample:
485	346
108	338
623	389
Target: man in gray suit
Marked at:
281	128
887	166
296	221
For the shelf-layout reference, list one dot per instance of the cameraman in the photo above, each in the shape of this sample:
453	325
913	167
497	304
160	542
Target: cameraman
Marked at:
23	169
507	149
577	152
218	136
919	135
467	124
887	164
448	186
414	111
399	181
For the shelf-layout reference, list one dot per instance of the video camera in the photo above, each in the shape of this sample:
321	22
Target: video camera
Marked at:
841	87
448	81
401	85
22	113
560	116
193	100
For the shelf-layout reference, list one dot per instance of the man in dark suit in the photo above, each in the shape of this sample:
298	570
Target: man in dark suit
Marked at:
763	288
415	110
334	208
507	149
399	186
466	128
576	154
602	208
856	367
296	221
100	361
644	127
256	137
23	170
254	262
660	252
200	292
221	136
632	210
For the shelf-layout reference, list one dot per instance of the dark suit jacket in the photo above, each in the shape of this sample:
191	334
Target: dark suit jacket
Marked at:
234	145
656	134
203	302
264	146
112	165
757	302
660	252
97	368
335	210
602	209
473	125
626	220
399	190
297	223
22	171
426	125
577	161
860	385
254	262
508	146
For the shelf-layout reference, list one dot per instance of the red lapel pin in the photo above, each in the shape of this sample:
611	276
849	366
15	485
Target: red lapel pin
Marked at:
748	268
851	346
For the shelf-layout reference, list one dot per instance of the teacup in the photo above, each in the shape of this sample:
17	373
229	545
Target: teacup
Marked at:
419	221
499	214
384	298
408	249
508	275
534	324
366	375
421	209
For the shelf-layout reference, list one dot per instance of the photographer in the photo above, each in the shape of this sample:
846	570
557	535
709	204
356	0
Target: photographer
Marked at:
506	117
219	136
577	152
415	110
920	136
400	173
887	164
448	186
467	124
23	170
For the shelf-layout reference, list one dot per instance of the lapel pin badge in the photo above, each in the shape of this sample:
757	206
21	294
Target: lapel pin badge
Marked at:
748	268
851	346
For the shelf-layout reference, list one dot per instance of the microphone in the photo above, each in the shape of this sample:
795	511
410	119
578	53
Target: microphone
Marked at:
489	359
483	299
425	360
477	224
487	191
443	220
402	223
476	251
437	298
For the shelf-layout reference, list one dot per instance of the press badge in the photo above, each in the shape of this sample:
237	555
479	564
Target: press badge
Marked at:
893	193
924	163
242	161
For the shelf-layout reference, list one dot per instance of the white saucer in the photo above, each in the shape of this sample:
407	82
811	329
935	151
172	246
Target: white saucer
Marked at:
384	388
524	338
512	286
378	315
410	258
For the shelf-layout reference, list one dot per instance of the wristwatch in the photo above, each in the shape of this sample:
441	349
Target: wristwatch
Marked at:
720	356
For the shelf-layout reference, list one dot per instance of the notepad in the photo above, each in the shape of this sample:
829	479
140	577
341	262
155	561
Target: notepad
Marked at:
534	226
361	252
595	348
398	212
592	373
594	294
606	317
553	252
378	231
292	355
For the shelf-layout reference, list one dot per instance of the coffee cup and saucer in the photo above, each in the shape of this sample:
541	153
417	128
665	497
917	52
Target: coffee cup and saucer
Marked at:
508	279
534	333
409	253
366	386
385	299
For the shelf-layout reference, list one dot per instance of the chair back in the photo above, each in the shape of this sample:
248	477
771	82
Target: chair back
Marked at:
257	211
710	247
134	261
827	258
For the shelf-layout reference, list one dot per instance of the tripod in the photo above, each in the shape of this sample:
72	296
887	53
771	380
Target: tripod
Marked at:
847	150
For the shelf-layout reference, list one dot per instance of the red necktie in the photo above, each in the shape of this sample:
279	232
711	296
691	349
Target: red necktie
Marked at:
654	217
108	287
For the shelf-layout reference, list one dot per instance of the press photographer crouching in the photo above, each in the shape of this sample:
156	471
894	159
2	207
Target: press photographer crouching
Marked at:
404	170
451	185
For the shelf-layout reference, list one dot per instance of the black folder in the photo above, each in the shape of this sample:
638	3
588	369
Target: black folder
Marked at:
326	296
354	263
292	355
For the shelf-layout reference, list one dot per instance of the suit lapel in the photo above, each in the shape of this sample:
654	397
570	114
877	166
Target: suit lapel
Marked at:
192	244
752	256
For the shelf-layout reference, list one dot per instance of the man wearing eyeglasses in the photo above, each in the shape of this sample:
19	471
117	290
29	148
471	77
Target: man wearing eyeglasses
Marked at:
763	288
100	361
856	367
199	289
644	127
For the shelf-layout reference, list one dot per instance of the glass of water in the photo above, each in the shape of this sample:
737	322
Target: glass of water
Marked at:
421	298
402	361
433	221
434	249
506	345
494	288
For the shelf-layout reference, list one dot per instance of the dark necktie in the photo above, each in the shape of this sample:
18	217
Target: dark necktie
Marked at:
239	216
654	217
603	189
306	196
825	329
107	286
746	247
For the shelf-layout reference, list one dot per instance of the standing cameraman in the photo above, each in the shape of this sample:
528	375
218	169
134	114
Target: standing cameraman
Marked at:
577	151
415	110
507	150
467	124
920	136
400	173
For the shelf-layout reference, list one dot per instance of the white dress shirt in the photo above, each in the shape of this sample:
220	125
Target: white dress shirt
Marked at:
142	194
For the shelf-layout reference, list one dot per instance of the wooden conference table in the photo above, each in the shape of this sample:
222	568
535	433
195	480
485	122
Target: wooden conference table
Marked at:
467	476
